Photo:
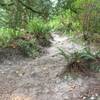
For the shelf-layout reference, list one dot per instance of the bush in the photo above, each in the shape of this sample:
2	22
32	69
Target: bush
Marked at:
41	31
65	23
28	48
55	23
6	35
83	62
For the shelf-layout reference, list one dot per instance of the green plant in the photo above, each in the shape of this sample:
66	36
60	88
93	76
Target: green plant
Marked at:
55	23
29	48
65	22
41	31
6	35
83	62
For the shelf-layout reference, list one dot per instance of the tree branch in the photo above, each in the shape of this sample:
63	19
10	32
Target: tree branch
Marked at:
29	7
3	4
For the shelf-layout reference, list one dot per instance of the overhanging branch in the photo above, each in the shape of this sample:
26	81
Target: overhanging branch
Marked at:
29	7
3	4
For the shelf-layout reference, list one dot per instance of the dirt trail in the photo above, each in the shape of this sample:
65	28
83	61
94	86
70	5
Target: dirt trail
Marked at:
29	79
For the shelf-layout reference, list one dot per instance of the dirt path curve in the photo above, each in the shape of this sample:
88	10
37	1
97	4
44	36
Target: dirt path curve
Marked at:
28	79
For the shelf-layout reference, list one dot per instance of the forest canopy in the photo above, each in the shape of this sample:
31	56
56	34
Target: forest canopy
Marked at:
16	13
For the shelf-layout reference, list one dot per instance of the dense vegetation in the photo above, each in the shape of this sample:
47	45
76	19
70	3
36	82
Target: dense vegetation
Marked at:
27	24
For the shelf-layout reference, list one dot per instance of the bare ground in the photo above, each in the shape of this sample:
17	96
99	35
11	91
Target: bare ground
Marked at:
38	79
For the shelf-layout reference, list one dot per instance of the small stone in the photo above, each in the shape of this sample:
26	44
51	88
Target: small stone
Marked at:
9	63
44	68
96	94
20	74
17	72
92	98
66	98
84	98
3	72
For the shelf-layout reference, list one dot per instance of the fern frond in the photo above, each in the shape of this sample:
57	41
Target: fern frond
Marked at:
66	56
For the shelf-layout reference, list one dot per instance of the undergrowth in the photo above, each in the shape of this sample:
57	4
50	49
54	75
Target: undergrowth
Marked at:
6	35
40	30
10	38
83	62
29	48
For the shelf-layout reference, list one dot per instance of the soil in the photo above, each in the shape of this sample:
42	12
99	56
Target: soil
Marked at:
38	79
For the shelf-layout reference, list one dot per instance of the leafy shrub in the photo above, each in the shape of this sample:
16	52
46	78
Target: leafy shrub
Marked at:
55	23
65	22
82	62
6	35
28	48
41	31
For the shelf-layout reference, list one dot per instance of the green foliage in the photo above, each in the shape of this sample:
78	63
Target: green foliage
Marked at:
79	16
39	17
67	16
3	18
28	48
65	55
6	35
38	25
66	5
84	54
55	23
83	60
65	22
40	30
90	16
